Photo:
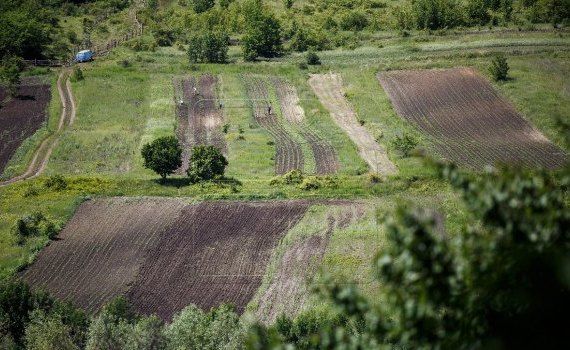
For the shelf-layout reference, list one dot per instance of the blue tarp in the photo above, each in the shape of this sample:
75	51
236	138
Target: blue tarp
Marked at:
84	56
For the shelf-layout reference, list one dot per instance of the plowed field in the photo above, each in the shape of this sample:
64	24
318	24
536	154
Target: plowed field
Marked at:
163	254
289	155
198	117
470	123
326	159
21	117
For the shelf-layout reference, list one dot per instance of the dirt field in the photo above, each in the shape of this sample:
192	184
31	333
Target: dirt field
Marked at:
22	116
287	293
467	119
163	253
289	155
326	159
328	88
199	119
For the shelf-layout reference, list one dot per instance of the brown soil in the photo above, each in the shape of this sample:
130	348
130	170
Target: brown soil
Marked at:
328	88
289	155
163	254
470	123
21	116
326	159
199	117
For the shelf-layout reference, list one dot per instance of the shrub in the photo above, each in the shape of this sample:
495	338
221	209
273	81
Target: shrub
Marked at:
225	128
10	70
353	20
294	177
209	47
164	37
405	144
163	156
499	68
436	14
206	163
310	183
374	178
56	183
35	224
200	6
313	59
77	74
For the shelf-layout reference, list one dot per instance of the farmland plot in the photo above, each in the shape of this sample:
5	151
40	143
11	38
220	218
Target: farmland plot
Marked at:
199	119
470	123
289	154
22	116
328	88
163	254
325	155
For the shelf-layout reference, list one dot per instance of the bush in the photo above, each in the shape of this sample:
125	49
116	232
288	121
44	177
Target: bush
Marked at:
209	47
353	20
10	70
35	224
499	68
374	178
262	33
294	177
163	156
141	44
313	59
200	6
436	14
206	163
405	144
77	74
56	183
164	37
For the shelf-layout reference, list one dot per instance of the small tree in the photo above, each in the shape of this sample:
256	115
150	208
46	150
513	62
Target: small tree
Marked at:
206	163
262	34
313	59
47	331
405	144
209	47
77	74
499	68
10	74
163	156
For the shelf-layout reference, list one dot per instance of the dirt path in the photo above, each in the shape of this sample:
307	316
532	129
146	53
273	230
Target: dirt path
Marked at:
43	152
326	159
328	88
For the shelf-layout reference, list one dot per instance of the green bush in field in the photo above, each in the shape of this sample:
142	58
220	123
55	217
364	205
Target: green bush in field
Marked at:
313	59
206	163
200	6
163	156
77	74
437	14
405	144
499	68
35	224
208	47
56	183
10	69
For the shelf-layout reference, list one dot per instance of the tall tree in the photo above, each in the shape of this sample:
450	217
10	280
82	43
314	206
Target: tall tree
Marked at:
262	32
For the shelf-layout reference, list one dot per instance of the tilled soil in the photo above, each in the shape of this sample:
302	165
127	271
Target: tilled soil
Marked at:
326	158
289	155
199	118
328	88
163	254
470	123
22	116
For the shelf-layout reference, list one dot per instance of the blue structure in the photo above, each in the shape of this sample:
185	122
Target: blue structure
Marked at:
84	56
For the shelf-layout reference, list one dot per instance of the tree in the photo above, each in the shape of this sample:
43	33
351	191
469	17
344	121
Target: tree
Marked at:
206	163
499	68
200	6
436	14
48	332
262	36
163	156
10	74
209	47
498	282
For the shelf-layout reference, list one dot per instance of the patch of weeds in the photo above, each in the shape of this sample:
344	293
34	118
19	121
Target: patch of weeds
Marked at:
36	224
55	183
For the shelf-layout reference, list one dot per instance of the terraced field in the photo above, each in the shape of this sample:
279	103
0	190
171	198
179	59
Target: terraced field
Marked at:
470	123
